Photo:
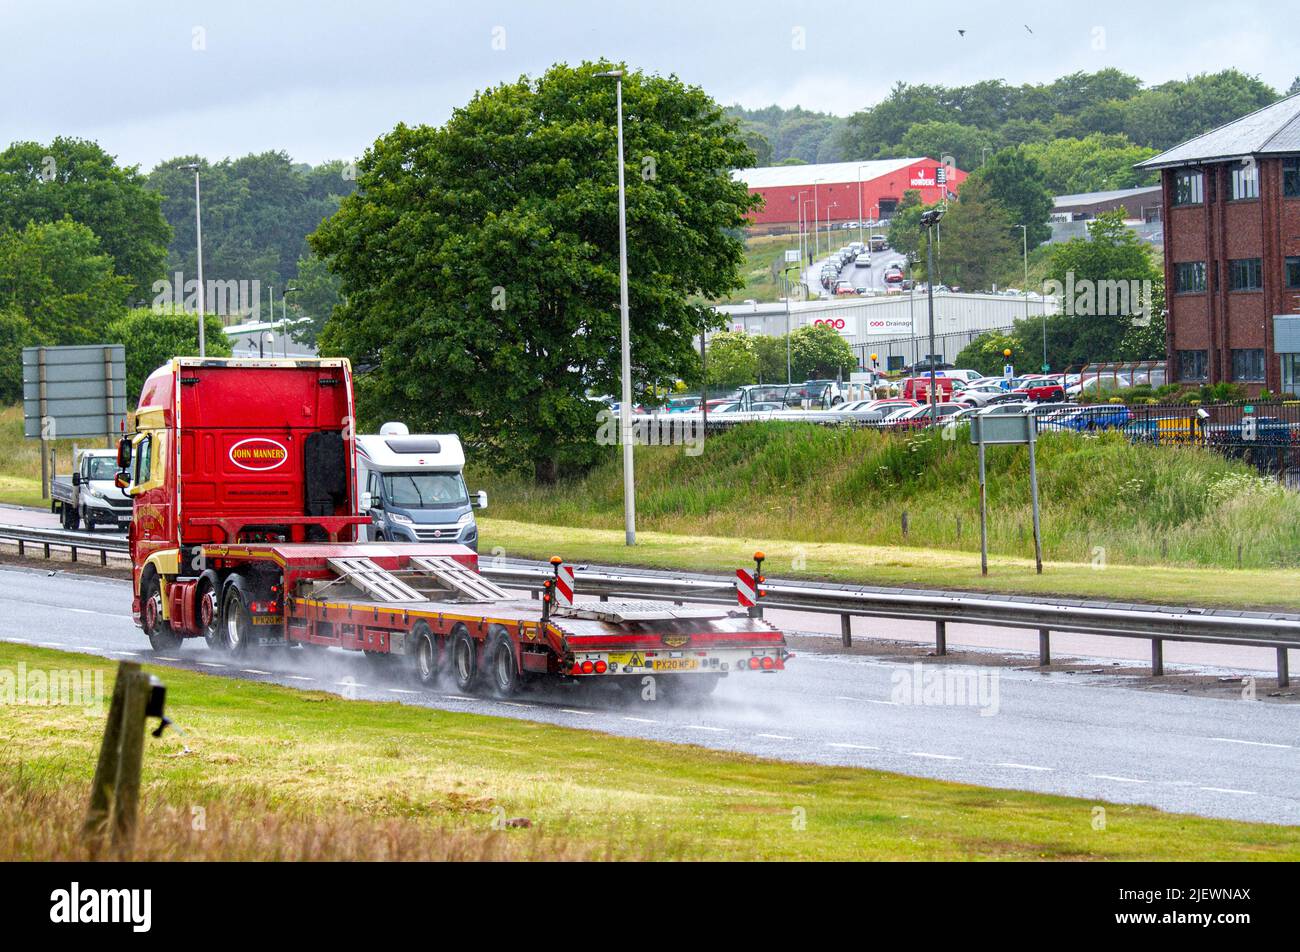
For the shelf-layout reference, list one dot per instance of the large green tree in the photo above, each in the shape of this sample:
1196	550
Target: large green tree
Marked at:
976	248
1092	164
76	179
818	352
480	266
1016	182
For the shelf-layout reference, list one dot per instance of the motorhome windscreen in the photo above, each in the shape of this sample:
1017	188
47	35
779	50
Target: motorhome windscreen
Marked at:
424	490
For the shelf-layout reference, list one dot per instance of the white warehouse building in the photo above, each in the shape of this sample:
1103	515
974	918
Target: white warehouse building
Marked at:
895	328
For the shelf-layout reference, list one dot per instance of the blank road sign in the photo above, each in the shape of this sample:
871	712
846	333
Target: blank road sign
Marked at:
1013	428
77	391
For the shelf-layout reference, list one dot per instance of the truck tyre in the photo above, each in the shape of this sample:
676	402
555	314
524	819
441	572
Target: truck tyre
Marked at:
237	630
425	655
70	518
502	665
161	637
207	608
464	660
84	518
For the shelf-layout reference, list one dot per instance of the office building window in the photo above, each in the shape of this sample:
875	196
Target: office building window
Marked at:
1189	188
1189	277
1246	274
1245	182
1291	178
1290	373
1248	365
1293	272
1191	365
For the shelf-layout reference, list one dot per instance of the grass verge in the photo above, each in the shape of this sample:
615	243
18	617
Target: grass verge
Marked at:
283	774
897	565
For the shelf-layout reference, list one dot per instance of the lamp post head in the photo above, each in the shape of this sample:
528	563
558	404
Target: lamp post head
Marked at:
609	74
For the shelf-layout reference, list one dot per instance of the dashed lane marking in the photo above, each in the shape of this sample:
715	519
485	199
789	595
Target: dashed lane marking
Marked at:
1102	776
853	746
1251	743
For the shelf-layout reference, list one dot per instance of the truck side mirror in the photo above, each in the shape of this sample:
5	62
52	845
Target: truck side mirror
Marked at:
76	479
481	501
122	481
124	453
367	501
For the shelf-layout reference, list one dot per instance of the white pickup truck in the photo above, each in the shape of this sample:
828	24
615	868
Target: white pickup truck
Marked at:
89	495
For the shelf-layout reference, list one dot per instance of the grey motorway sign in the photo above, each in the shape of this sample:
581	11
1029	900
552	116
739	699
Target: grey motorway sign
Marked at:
76	391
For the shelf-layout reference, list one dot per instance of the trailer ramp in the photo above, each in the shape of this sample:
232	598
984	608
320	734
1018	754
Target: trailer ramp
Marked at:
373	579
619	612
467	582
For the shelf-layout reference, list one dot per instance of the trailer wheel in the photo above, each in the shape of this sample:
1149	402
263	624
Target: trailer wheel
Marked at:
238	626
425	657
464	660
207	608
501	662
161	637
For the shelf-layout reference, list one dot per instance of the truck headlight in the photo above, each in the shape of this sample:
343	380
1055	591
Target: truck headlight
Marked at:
401	519
465	520
94	493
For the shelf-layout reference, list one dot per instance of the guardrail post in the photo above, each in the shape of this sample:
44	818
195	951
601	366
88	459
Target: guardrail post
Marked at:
47	550
103	556
941	637
73	550
21	549
1157	657
846	631
1283	668
1044	647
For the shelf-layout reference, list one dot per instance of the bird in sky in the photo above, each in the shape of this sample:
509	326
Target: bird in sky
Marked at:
1027	28
961	32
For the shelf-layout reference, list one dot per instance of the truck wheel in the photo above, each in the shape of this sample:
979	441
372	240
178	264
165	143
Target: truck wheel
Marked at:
156	628
84	517
70	518
688	687
208	609
502	664
425	657
238	628
464	660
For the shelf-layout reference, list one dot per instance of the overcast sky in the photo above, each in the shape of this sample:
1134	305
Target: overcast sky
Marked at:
151	80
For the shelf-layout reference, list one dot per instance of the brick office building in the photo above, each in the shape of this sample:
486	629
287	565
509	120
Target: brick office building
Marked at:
1232	251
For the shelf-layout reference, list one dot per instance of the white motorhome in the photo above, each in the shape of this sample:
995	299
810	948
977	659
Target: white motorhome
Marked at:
413	487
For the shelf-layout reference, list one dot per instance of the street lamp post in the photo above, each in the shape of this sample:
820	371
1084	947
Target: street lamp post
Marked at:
284	318
198	245
1024	237
930	221
860	222
625	408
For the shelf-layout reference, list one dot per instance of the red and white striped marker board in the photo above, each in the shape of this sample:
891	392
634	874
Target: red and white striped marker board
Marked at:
746	589
564	585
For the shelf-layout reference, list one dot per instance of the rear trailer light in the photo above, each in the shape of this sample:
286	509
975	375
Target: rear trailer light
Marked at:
600	667
588	667
768	664
754	663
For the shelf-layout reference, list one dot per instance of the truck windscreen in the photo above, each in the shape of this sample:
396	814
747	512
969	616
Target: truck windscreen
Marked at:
424	490
101	467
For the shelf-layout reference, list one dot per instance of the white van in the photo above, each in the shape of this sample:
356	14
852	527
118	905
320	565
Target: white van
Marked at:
413	488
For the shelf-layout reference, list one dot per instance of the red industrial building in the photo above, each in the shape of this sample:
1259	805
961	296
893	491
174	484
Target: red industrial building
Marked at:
1232	251
844	191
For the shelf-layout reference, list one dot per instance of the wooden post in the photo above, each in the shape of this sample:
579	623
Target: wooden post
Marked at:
904	524
127	800
102	787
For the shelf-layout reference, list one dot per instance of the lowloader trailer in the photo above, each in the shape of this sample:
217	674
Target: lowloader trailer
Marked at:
243	480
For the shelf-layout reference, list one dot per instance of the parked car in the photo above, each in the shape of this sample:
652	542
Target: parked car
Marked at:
1042	392
862	261
918	388
923	416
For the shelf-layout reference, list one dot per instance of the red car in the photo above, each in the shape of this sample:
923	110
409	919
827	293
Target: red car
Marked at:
1042	392
894	276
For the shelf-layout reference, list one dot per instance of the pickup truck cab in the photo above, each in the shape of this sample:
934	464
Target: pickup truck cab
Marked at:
413	488
88	496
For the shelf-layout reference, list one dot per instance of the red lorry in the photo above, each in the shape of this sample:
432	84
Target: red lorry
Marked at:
243	480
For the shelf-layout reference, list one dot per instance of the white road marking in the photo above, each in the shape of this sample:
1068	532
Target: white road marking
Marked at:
211	664
298	677
402	691
517	704
1102	776
21	641
91	611
776	736
922	753
349	684
640	720
1021	766
49	644
1248	793
886	703
134	654
705	727
853	746
454	697
1251	743
252	671
569	710
93	648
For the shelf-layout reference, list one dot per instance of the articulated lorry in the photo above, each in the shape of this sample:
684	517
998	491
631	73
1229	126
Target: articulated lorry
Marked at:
243	475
